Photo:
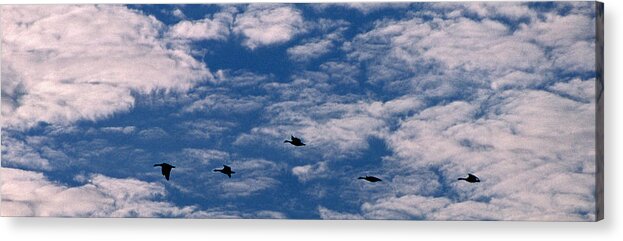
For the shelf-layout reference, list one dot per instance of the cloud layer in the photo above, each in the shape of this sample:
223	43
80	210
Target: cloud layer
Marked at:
66	63
267	24
416	94
26	193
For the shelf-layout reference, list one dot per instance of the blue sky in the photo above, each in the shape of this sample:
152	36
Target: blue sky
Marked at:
417	94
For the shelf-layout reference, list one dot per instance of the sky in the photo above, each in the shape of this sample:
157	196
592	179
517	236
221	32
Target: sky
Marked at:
417	94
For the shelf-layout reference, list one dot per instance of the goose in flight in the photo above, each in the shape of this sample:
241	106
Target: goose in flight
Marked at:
226	170
294	141
370	178
470	178
166	169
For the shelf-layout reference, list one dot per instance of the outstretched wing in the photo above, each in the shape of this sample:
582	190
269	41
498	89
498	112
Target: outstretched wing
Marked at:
226	168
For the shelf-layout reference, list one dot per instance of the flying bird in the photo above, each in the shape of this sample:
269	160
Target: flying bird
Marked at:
370	178
470	178
166	169
294	141
226	170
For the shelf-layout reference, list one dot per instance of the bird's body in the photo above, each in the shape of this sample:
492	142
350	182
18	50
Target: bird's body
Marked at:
166	169
294	141
470	178
225	170
370	178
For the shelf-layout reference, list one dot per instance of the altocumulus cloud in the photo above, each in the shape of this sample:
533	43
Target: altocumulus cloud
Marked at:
446	88
215	28
26	193
267	24
533	145
66	63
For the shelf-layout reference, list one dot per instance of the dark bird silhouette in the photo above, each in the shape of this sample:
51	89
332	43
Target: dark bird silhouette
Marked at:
370	178
470	178
294	141
166	169
226	170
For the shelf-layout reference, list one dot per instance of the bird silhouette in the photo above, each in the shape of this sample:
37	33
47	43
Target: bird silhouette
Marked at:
166	169
226	170
370	178
470	178
294	141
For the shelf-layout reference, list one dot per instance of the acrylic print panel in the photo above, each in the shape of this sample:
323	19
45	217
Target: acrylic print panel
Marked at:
417	111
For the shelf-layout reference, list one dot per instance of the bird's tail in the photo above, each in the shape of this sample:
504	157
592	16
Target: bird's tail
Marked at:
287	141
361	178
462	178
233	172
216	170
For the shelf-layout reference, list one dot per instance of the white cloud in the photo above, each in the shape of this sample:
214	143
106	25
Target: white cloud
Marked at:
72	62
532	150
308	172
270	214
472	53
246	187
318	46
310	50
515	11
268	24
363	7
577	57
405	207
221	103
583	90
253	176
556	30
204	129
21	153
240	78
339	125
517	79
326	213
26	193
229	214
339	130
341	72
153	133
204	156
178	13
216	28
411	46
119	129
